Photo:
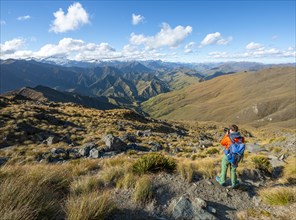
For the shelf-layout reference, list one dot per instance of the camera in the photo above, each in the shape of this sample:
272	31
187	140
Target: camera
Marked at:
226	130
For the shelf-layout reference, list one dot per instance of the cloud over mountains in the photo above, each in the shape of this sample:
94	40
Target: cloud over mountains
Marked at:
72	20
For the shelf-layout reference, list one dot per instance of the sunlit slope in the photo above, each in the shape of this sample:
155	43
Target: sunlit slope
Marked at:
258	98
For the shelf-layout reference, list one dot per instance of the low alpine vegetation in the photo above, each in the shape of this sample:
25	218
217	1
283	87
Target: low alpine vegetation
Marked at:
261	162
278	195
94	205
143	190
154	162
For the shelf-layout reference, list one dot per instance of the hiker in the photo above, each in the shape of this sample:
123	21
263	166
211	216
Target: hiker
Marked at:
233	153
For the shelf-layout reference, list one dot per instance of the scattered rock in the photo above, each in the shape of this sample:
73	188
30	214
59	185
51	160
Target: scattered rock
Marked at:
114	143
205	144
84	151
51	140
3	160
145	133
254	148
275	162
211	209
155	146
128	137
94	153
187	209
57	151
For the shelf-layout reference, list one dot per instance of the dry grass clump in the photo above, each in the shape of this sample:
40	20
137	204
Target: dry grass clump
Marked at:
86	184
290	170
128	181
82	166
252	213
280	195
154	162
31	196
111	175
143	190
261	162
186	171
90	206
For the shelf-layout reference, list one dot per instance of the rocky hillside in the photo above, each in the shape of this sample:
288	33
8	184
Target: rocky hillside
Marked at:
256	98
117	164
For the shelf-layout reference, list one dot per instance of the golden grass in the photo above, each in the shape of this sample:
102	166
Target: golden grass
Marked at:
280	195
90	206
290	170
27	197
143	190
128	181
261	162
86	184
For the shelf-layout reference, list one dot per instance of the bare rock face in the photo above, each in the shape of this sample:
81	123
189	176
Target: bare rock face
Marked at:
188	209
114	143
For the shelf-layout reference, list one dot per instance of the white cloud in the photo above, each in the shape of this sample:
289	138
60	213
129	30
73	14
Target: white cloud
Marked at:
166	37
23	18
76	17
188	47
215	38
11	46
254	46
2	22
77	49
136	19
274	37
218	54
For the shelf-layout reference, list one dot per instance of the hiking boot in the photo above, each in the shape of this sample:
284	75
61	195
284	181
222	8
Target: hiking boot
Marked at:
236	185
218	180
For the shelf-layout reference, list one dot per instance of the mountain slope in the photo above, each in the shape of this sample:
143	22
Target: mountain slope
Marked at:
42	93
260	98
134	82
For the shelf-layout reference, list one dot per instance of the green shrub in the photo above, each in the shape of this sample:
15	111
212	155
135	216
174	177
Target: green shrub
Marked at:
154	162
262	163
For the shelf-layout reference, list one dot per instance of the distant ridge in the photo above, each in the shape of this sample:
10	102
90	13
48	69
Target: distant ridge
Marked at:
257	98
42	93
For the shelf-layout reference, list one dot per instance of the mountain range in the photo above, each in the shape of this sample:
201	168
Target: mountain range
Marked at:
244	92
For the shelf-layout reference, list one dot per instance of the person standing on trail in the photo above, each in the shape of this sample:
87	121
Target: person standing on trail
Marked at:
233	153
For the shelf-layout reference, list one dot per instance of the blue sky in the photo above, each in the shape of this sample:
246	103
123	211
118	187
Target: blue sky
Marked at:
185	31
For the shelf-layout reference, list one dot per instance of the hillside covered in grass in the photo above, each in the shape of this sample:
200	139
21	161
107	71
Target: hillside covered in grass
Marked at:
265	97
66	161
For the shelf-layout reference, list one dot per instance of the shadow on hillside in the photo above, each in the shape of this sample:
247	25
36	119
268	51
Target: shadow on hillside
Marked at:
222	210
163	194
135	214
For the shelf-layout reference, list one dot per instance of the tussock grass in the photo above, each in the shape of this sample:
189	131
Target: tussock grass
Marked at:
22	198
89	206
186	170
278	195
86	184
143	190
82	166
154	162
128	181
212	150
111	175
290	170
261	162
